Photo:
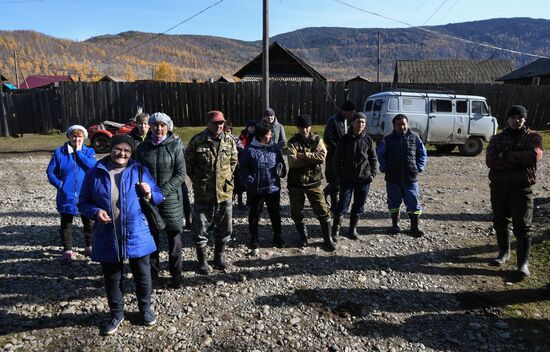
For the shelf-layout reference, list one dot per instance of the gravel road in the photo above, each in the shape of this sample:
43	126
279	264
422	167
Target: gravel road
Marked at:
380	293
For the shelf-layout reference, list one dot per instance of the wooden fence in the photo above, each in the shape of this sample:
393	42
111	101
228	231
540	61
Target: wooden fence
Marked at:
40	110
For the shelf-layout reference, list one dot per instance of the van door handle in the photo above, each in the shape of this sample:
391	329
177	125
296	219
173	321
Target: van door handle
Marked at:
431	117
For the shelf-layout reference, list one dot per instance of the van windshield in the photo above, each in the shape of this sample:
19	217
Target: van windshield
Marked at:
479	107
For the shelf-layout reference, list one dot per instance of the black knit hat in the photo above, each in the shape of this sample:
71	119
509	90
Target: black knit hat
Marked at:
250	123
358	115
122	138
348	106
303	120
516	110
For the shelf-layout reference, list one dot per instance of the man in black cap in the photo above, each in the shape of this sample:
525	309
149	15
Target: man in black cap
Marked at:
336	128
512	157
306	154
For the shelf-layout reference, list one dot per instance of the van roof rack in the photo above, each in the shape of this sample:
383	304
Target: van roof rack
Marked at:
441	90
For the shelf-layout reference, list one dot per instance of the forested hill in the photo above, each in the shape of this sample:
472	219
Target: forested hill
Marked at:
338	53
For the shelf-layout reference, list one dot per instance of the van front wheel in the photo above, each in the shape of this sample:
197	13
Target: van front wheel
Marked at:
472	147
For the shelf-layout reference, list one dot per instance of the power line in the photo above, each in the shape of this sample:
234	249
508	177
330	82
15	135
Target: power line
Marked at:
441	34
154	37
415	11
449	10
433	13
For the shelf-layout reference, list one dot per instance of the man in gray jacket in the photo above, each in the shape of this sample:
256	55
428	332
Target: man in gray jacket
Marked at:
279	136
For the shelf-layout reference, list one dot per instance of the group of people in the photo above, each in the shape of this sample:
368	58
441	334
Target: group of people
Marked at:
151	164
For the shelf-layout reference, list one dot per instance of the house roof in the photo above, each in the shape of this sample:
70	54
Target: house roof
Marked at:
282	63
3	78
451	71
540	67
225	79
108	78
358	78
42	80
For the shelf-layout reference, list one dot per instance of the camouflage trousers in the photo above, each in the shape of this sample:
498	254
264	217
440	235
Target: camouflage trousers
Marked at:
316	200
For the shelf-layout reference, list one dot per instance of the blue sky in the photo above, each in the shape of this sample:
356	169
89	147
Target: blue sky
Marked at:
242	19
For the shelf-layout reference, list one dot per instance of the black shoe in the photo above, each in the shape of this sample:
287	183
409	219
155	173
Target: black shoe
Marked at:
352	232
278	241
175	282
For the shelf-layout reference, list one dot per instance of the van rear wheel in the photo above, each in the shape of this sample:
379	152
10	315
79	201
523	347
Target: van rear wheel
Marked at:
472	147
445	148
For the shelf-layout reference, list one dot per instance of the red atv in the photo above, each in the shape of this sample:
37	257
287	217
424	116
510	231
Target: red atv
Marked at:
101	134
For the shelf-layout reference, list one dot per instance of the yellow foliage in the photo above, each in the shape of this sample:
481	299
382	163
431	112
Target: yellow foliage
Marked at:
165	72
129	74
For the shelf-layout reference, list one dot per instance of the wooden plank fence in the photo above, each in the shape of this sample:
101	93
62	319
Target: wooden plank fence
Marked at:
85	103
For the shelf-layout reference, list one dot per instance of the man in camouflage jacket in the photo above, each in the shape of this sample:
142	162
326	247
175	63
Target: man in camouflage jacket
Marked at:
306	154
211	159
512	157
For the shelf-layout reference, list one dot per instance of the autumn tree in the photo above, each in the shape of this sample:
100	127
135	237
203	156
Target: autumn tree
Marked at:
165	72
129	74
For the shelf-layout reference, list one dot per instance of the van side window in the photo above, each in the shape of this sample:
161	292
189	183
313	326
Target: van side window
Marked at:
368	106
413	105
377	105
441	105
393	104
479	107
462	106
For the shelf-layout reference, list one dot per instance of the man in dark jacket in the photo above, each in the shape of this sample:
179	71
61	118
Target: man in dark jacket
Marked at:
306	154
336	128
356	163
211	161
512	157
402	157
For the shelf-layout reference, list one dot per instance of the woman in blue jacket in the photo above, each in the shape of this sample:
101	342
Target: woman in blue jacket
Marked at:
110	194
65	172
261	167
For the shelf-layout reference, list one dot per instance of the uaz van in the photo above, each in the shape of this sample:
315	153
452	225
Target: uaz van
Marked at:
444	120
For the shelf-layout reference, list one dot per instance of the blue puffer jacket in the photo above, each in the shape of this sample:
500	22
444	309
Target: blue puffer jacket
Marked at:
135	239
66	172
258	168
402	157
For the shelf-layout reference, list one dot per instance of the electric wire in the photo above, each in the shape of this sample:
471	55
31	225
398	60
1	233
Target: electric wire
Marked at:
433	13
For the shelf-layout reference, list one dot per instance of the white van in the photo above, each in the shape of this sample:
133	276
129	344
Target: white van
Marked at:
444	120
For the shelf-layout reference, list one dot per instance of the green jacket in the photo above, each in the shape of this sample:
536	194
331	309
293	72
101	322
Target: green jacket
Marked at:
305	172
166	163
211	170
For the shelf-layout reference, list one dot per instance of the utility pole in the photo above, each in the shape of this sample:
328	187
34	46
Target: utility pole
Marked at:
378	62
15	62
265	56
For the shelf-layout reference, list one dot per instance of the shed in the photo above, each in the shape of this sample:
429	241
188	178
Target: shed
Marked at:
42	81
108	78
536	73
451	71
3	78
357	79
283	65
225	79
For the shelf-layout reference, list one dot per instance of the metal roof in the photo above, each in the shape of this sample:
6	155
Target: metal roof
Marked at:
540	67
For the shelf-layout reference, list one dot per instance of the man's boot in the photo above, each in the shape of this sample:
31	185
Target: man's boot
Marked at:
395	226
523	253
219	256
503	242
327	238
302	231
204	268
333	202
415	230
278	241
335	231
352	232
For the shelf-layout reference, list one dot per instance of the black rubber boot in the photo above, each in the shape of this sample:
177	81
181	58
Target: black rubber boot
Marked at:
327	238
503	242
254	242
523	252
352	232
335	231
204	268
302	231
415	230
219	256
333	201
395	225
278	241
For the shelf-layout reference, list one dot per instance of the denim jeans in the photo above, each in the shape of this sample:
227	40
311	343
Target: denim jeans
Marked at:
217	216
360	191
113	274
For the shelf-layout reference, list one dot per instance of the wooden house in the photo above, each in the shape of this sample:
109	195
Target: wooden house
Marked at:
43	81
537	73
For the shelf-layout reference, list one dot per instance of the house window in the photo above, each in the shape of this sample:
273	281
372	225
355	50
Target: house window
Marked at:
535	81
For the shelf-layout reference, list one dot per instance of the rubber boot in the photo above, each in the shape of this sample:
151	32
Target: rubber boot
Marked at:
335	231
327	238
415	230
254	243
352	232
204	268
278	241
333	201
219	256
523	253
395	225
302	231
503	242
